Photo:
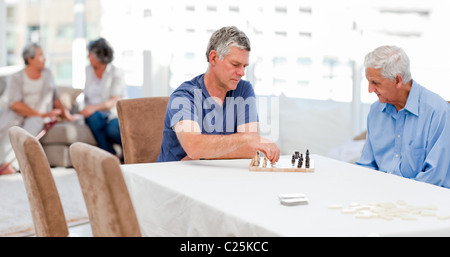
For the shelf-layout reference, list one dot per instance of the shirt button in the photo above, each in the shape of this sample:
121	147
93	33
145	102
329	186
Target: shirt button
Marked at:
398	136
396	156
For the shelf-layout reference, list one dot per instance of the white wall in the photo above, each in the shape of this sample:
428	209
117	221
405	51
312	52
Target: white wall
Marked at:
319	126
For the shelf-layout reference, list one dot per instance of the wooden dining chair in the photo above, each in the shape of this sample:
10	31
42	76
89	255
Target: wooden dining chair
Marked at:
45	204
141	123
108	202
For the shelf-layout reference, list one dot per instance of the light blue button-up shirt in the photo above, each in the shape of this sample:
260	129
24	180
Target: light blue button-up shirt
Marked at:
413	142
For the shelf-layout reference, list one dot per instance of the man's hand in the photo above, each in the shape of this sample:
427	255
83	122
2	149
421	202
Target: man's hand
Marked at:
267	146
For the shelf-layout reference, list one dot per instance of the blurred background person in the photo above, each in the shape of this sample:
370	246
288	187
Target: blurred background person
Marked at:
33	101
105	85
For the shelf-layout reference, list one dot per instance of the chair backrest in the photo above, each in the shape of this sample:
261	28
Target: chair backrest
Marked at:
108	202
141	123
46	208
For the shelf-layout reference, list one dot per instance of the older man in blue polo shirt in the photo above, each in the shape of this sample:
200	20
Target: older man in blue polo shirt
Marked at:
408	129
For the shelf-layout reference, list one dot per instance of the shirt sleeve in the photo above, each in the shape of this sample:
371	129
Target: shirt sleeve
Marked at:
52	84
182	106
246	110
118	83
367	158
14	90
436	166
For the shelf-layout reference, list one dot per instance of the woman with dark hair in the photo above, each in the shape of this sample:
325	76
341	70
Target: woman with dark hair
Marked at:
104	87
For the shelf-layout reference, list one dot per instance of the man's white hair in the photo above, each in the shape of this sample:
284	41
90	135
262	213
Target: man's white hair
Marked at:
391	60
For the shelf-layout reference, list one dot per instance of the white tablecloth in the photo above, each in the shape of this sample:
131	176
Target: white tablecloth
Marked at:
224	198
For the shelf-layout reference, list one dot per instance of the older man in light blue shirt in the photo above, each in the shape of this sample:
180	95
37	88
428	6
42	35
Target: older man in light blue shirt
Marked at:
408	129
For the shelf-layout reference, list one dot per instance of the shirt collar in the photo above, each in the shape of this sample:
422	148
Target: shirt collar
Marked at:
412	103
108	68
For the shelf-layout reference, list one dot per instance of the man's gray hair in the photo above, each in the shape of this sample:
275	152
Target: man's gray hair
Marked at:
391	60
29	51
224	38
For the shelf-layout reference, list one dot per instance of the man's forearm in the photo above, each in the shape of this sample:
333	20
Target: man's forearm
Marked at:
245	152
201	146
237	145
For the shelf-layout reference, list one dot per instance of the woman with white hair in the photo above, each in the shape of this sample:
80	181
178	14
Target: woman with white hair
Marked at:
408	128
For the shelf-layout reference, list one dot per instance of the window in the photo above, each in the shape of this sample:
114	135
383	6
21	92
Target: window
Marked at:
65	32
64	72
295	44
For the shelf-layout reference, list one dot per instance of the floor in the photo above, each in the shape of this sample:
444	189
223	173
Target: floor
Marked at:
64	178
81	228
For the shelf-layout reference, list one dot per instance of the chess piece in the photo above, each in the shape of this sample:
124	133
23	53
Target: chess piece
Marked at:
257	159
293	160
307	159
300	161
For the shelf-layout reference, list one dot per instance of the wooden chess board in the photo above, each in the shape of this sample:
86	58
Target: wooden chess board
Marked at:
284	164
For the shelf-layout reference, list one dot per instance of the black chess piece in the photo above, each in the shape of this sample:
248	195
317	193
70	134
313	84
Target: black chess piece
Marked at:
307	159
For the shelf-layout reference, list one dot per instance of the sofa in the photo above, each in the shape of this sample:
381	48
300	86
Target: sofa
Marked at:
57	140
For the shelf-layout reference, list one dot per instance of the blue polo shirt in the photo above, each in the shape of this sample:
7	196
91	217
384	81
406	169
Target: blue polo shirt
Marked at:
413	142
191	101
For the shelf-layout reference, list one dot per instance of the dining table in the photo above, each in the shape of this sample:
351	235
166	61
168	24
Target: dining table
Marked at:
224	198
